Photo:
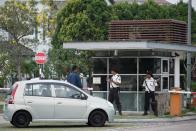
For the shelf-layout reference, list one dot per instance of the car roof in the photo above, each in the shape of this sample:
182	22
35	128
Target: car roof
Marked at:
37	80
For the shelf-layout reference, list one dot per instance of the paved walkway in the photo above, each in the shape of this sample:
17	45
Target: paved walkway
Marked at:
154	120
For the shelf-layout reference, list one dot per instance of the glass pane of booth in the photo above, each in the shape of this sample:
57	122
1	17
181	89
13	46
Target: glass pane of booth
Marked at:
99	66
152	64
124	65
128	101
99	83
101	94
128	83
165	66
165	83
141	101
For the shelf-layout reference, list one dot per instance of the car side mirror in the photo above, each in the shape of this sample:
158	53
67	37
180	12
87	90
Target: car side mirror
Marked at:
83	97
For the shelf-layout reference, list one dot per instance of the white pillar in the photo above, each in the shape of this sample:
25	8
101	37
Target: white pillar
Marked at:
177	72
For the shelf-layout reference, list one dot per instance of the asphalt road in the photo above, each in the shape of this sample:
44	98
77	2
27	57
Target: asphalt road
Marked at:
189	125
170	126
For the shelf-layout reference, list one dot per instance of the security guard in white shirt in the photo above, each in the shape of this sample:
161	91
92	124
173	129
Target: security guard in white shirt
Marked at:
150	83
115	82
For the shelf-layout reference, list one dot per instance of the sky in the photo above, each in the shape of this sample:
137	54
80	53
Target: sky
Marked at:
175	1
172	1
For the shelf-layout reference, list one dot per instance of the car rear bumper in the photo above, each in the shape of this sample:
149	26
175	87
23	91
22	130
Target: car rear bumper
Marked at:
8	112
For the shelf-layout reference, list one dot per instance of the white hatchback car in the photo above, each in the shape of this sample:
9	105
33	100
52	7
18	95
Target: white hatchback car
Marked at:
51	100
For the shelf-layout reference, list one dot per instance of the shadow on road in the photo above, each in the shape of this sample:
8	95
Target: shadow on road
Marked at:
52	126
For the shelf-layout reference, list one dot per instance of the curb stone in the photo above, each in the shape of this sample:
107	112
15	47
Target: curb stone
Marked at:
176	119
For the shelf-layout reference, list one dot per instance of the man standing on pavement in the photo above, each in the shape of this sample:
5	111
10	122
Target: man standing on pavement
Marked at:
150	83
74	77
115	82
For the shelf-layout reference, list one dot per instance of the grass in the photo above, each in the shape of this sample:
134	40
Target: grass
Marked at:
1	108
193	86
192	109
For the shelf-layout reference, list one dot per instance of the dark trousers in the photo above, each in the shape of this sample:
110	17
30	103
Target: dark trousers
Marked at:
150	98
114	96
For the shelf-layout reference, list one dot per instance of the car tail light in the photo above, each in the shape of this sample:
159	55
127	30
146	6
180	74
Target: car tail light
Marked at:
11	99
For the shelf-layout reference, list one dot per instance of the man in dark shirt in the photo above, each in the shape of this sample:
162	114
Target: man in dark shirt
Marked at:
74	77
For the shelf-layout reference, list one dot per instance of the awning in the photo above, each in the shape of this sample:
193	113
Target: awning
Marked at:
128	45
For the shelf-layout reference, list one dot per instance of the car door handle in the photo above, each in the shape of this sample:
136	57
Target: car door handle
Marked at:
59	102
29	102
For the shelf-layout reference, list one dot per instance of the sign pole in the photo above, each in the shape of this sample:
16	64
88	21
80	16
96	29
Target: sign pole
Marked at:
189	53
40	59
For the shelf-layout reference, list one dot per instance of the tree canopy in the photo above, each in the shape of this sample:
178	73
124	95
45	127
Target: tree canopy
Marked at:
87	20
82	20
17	18
78	20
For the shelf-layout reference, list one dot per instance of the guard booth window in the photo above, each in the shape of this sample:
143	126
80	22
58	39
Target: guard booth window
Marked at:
153	64
124	65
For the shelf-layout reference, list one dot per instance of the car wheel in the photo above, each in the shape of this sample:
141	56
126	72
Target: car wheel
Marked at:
21	120
11	122
97	119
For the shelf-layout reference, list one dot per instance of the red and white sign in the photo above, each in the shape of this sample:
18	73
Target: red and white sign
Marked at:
40	58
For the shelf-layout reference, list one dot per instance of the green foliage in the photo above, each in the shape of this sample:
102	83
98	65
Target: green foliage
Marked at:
1	81
87	20
17	18
79	20
5	65
82	20
29	67
61	61
193	87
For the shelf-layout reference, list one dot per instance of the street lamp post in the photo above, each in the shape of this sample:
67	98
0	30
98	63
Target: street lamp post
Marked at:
189	43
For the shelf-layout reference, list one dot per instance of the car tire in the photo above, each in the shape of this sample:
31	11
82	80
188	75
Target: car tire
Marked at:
11	122
97	119
21	120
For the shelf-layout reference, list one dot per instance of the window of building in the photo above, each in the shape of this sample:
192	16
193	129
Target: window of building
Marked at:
165	66
124	65
165	83
171	64
152	64
101	85
182	67
171	82
128	83
99	66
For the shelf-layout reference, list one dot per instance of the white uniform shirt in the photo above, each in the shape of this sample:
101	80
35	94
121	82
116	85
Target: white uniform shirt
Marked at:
151	84
115	78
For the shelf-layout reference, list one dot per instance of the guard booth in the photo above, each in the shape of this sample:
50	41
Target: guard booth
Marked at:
133	51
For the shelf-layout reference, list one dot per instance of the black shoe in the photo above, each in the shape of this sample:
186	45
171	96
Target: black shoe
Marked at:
120	113
145	113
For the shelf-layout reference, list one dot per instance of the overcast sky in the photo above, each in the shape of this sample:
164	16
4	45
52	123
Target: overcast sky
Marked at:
175	1
172	1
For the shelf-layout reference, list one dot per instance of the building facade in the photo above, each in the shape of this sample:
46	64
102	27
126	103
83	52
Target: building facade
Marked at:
133	48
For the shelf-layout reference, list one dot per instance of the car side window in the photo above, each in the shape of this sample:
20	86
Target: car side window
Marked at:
63	91
42	89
